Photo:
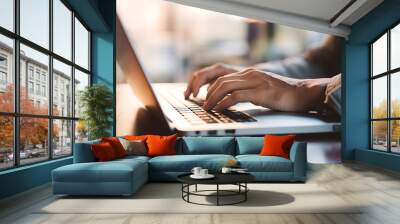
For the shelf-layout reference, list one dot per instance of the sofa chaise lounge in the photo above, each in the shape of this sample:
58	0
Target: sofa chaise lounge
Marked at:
125	176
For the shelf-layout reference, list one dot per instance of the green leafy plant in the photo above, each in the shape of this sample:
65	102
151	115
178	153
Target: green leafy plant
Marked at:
96	103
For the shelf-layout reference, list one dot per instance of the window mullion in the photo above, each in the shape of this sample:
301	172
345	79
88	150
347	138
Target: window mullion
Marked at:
389	77
73	82
50	81
16	85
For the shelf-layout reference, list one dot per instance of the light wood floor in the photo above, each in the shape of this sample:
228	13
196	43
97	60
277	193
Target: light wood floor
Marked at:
351	181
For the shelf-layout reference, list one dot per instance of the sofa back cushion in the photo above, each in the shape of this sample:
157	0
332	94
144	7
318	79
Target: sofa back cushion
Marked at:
207	145
83	152
249	145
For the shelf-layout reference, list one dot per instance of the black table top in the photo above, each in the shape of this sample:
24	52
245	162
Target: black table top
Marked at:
220	178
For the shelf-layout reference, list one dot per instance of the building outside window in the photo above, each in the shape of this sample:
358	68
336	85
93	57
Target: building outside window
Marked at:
3	61
30	72
38	89
3	81
37	74
30	87
57	127
43	90
3	72
385	91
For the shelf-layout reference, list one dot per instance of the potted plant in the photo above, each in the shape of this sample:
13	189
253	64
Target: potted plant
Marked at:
96	104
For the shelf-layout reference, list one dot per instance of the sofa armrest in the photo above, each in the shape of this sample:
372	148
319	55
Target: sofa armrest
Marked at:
83	152
298	155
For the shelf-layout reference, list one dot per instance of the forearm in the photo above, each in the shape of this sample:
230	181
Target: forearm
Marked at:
305	94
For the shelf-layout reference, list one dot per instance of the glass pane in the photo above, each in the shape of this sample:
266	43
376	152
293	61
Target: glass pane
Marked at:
81	81
81	131
62	29
7	14
379	97
395	136
81	45
395	47
34	80
379	135
395	94
6	74
34	21
33	139
6	142
62	89
62	138
379	55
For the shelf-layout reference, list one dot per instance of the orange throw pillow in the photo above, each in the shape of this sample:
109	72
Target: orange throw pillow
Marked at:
116	145
161	145
277	145
136	137
103	152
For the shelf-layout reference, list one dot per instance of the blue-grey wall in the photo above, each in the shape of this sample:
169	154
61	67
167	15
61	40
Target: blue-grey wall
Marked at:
103	52
24	178
355	80
99	16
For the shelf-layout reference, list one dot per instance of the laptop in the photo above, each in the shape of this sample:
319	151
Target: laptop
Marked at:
170	110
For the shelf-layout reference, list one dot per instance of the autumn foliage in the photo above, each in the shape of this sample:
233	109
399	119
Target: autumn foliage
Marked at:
33	131
380	127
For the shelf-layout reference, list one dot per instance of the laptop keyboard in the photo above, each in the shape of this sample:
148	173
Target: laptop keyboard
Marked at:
192	111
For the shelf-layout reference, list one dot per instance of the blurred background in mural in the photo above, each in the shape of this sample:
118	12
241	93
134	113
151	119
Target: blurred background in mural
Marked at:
172	40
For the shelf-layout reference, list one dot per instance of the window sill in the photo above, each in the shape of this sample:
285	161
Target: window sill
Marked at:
30	166
382	159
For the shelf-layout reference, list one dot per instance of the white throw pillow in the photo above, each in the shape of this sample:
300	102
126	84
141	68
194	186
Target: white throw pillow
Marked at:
136	147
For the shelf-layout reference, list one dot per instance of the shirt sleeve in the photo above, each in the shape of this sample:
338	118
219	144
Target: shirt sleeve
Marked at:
294	67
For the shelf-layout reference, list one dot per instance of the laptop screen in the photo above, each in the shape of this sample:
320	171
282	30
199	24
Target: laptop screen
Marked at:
141	112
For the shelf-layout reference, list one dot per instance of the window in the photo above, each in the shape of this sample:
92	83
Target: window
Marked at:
62	32
81	45
38	74
7	73
34	22
3	78
30	72
62	137
385	92
62	74
7	14
6	142
47	74
44	91
30	87
3	61
37	89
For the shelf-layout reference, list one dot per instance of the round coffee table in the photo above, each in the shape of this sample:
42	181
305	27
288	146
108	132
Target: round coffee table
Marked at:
238	179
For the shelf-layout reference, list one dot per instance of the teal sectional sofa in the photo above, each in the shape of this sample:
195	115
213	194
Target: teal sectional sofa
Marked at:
125	176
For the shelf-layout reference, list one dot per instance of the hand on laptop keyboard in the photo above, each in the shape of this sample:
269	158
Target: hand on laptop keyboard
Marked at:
194	113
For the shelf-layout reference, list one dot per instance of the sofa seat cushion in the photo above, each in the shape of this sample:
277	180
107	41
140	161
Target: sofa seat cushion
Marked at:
185	163
133	158
112	171
257	163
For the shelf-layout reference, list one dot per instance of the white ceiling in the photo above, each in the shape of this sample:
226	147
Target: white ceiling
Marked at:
325	16
321	9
